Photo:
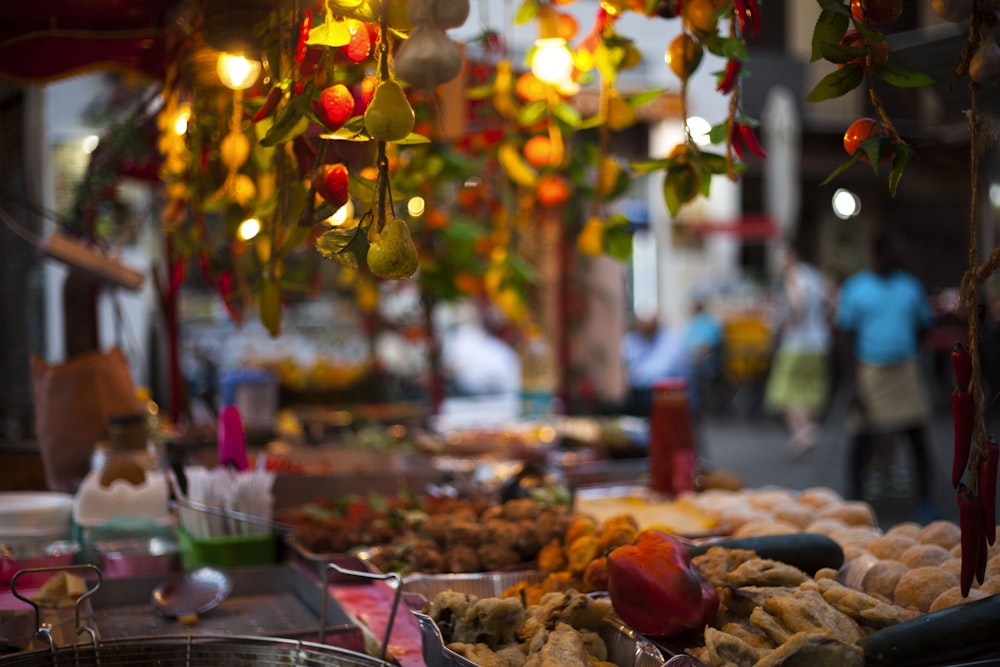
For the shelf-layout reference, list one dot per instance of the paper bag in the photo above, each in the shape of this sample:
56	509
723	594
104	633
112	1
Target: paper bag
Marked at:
73	402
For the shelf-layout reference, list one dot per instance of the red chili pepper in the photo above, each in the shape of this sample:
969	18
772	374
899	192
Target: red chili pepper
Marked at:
961	418
970	521
727	82
748	16
754	16
297	88
961	363
987	477
749	138
306	26
270	103
737	142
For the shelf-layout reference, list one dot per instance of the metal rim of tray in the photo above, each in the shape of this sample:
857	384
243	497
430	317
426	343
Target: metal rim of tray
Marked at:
194	651
188	650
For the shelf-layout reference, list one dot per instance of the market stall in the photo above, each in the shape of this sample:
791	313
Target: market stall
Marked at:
323	518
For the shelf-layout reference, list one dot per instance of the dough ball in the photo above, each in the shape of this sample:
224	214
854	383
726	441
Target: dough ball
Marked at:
857	536
953	597
795	514
826	526
954	566
851	512
922	555
890	546
906	528
990	585
819	496
917	589
768	499
883	577
942	532
765	527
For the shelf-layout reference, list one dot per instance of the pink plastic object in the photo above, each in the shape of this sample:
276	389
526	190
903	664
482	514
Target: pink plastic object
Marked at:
232	439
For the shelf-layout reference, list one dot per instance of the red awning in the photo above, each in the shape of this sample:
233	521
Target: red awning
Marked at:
747	227
46	40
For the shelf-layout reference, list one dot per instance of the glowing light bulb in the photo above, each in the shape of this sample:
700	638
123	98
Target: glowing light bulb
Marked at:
181	121
699	129
846	204
415	207
342	216
248	229
551	61
90	143
237	71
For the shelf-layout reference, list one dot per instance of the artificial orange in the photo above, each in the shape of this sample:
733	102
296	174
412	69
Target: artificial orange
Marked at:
552	190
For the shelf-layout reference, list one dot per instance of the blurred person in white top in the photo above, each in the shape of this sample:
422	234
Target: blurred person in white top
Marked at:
651	353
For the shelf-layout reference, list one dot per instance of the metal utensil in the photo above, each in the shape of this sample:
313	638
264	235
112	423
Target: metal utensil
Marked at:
195	592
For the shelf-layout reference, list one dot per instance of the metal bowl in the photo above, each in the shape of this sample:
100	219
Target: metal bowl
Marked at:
139	556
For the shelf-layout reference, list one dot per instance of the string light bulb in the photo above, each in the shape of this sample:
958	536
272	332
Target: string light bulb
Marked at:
551	61
236	71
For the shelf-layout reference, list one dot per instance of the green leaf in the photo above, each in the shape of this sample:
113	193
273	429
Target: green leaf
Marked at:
902	77
840	53
872	147
843	167
728	48
411	139
367	11
568	114
352	130
680	185
717	134
617	241
360	188
830	28
838	83
347	247
649	166
899	161
479	92
290	123
329	33
645	97
710	163
532	112
526	12
835	6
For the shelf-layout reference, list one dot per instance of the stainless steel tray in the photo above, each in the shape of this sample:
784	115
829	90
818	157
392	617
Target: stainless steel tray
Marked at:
274	600
626	648
357	561
480	584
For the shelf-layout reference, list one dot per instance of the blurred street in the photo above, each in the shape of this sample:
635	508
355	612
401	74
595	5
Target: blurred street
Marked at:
754	447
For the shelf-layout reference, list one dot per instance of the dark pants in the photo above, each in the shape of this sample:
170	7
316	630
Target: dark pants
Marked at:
863	447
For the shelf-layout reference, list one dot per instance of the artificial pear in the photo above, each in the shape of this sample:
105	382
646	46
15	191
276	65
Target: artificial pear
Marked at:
389	116
392	254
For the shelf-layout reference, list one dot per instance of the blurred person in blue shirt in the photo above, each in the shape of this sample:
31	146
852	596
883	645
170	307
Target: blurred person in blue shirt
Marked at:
651	353
882	314
703	339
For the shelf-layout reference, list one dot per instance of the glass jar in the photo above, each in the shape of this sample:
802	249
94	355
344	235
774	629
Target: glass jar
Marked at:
671	448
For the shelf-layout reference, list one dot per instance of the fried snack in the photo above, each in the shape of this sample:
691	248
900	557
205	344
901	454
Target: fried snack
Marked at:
890	546
953	597
863	608
954	566
447	609
770	626
716	563
563	646
992	566
766	572
595	576
942	533
807	611
578	610
855	536
581	551
826	526
727	649
581	525
743	599
753	636
815	649
883	577
63	589
494	621
551	557
923	555
479	653
918	588
513	655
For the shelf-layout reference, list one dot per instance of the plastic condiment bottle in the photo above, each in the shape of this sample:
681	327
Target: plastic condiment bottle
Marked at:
671	447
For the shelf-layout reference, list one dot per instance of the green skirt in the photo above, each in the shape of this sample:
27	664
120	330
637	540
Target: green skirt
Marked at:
798	380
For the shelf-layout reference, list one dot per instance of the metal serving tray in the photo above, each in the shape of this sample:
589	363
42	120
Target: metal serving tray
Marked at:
358	561
273	601
480	584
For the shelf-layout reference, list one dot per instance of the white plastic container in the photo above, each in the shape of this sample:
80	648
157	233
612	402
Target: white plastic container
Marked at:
34	515
95	505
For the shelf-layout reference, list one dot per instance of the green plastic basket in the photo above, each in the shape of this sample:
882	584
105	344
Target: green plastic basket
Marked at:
227	551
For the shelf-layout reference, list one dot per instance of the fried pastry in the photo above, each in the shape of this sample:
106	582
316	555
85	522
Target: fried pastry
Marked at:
860	606
730	649
882	578
807	611
953	597
766	572
814	649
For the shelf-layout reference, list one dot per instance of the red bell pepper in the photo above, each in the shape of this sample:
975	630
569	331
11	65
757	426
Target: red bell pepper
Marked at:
655	589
